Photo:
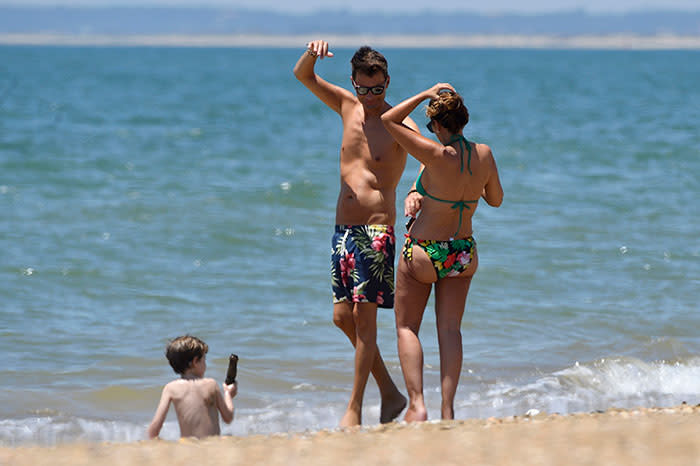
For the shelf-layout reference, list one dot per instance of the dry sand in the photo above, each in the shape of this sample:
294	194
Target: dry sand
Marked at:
665	436
615	41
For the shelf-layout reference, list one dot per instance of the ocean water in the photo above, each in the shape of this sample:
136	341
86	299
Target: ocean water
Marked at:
147	193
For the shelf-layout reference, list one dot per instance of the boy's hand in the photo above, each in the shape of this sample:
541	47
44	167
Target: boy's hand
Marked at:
232	389
319	48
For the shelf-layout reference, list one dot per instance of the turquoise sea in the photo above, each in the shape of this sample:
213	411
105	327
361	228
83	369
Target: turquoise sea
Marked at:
151	192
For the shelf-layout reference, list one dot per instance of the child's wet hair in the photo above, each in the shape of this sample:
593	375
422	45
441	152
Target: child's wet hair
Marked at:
181	351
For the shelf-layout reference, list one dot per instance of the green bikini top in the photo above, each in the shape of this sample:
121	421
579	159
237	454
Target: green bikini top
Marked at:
455	204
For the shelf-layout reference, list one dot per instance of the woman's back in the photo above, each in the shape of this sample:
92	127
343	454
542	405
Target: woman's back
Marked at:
456	174
451	186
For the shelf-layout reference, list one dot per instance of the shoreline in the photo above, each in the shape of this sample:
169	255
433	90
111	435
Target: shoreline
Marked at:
594	42
644	436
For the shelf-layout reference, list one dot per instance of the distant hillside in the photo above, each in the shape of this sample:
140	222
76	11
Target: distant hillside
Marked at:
151	20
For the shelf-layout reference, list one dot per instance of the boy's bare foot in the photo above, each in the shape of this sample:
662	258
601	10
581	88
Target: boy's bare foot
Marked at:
391	409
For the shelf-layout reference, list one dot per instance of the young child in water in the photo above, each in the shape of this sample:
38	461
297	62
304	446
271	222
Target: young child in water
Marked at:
195	398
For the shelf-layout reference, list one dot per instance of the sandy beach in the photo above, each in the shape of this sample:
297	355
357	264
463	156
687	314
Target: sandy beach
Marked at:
615	437
612	42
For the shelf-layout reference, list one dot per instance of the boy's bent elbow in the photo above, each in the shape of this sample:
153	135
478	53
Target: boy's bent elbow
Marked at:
303	74
309	81
297	73
297	70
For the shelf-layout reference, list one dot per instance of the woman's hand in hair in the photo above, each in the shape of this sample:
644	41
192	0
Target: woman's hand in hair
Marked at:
434	92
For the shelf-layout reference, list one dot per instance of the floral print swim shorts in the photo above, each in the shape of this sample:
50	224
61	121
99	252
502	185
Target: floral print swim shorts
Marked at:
362	264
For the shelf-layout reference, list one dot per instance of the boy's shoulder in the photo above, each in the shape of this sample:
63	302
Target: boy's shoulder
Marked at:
208	381
180	384
182	389
205	383
172	385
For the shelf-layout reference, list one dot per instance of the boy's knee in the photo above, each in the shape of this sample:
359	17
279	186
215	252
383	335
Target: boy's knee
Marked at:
342	317
338	320
365	323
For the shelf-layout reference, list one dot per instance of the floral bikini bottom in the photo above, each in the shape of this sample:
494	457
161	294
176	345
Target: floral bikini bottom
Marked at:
449	258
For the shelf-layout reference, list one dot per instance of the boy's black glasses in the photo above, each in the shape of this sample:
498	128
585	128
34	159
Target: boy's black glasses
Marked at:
363	90
430	126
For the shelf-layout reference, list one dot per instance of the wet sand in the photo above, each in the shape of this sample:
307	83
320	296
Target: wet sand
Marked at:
657	436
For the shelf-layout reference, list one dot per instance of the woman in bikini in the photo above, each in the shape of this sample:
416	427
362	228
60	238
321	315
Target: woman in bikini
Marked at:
439	248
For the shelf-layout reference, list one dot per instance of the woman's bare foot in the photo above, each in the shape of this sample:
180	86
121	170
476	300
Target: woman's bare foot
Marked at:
416	414
351	418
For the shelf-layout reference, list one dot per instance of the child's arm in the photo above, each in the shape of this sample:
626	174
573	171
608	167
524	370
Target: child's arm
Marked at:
225	402
161	412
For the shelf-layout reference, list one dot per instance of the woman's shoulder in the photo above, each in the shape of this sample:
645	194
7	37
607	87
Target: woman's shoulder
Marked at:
480	146
483	150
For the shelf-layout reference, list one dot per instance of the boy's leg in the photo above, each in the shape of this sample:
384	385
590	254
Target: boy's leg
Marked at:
365	317
393	402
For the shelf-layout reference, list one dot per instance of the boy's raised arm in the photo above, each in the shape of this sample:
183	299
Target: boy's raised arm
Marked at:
304	70
161	412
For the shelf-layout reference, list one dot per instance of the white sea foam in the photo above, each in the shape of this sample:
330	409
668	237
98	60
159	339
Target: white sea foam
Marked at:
51	430
288	415
618	382
607	383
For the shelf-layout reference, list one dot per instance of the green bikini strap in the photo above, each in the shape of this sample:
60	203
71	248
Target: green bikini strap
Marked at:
462	205
462	142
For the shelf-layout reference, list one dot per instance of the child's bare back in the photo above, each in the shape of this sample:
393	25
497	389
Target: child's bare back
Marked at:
198	401
195	406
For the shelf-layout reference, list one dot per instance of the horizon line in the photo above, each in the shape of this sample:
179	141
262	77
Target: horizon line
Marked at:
616	41
345	9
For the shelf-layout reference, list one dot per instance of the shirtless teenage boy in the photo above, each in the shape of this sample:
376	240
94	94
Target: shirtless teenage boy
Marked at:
371	164
196	399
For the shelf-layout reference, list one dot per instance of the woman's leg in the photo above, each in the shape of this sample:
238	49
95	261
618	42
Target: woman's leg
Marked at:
450	300
411	298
